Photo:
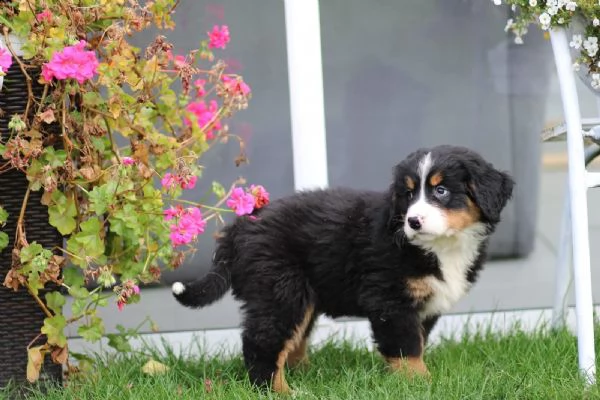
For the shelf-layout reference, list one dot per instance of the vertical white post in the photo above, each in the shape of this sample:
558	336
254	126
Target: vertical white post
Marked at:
563	274
578	201
305	71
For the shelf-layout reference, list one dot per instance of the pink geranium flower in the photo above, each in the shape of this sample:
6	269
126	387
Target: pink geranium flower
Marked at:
261	196
199	85
72	62
45	15
190	224
5	60
188	182
236	86
204	115
241	202
168	181
218	37
128	160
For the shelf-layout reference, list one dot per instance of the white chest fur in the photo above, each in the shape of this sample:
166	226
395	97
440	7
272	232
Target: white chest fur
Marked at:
456	255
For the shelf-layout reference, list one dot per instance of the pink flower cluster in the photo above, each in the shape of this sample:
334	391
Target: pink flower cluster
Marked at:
128	290
5	60
246	201
127	160
45	15
72	62
236	86
189	224
204	115
169	181
218	37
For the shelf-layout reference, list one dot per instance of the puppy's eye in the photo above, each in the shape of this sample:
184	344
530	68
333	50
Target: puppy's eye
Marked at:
441	191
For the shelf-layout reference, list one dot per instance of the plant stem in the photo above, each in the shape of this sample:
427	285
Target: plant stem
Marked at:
39	301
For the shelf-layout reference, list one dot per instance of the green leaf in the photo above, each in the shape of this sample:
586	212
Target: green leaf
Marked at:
218	190
55	301
78	307
3	240
72	277
93	331
101	196
54	330
61	221
62	213
119	342
87	242
3	216
28	253
79	292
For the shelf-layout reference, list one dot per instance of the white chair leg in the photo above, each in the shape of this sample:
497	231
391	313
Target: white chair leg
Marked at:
563	274
578	202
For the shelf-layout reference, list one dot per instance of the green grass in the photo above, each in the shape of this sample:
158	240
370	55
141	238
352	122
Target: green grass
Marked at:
489	366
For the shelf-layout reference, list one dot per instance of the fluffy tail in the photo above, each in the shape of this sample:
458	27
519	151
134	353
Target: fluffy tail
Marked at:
206	290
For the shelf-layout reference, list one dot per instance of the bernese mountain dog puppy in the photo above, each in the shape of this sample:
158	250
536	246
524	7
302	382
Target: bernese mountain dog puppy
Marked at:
400	258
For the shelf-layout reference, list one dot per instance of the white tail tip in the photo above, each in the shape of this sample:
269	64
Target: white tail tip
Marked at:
178	288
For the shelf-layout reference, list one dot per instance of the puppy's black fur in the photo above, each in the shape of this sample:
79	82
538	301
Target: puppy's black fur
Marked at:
343	252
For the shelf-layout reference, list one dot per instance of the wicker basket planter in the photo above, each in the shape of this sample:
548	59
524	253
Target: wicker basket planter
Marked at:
21	316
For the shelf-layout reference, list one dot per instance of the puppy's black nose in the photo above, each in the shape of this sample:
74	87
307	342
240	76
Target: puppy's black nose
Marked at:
414	223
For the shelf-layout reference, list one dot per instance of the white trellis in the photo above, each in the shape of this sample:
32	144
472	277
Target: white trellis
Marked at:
576	209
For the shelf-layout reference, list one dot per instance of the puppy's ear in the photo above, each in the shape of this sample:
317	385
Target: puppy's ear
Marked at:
397	198
490	189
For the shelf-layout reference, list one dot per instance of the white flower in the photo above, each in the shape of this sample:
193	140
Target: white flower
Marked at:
596	81
591	45
533	3
518	40
545	20
509	25
576	66
596	22
552	10
576	42
571	6
497	2
561	20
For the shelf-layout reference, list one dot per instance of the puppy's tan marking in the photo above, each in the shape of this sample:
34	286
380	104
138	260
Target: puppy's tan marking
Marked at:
419	288
298	356
461	219
410	366
410	183
436	179
278	383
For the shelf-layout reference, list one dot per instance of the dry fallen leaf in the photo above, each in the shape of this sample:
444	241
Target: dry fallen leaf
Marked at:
153	367
48	116
35	358
60	354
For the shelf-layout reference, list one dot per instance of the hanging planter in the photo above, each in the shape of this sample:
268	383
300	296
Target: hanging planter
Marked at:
581	19
97	149
20	313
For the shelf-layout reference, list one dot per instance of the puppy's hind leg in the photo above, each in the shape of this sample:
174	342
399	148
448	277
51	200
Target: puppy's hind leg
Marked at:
268	338
298	357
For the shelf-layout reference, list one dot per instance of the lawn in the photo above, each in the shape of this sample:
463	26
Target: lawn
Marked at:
514	366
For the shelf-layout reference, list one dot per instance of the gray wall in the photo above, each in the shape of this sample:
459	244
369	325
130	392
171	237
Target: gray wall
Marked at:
398	75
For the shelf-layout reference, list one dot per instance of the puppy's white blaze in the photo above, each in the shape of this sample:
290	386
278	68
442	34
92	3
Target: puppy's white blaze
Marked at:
423	169
178	288
432	219
455	254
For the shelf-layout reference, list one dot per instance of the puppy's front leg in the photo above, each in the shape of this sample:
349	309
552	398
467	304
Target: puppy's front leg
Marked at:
399	339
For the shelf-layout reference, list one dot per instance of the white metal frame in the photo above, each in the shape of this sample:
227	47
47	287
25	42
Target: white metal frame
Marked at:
579	181
305	71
